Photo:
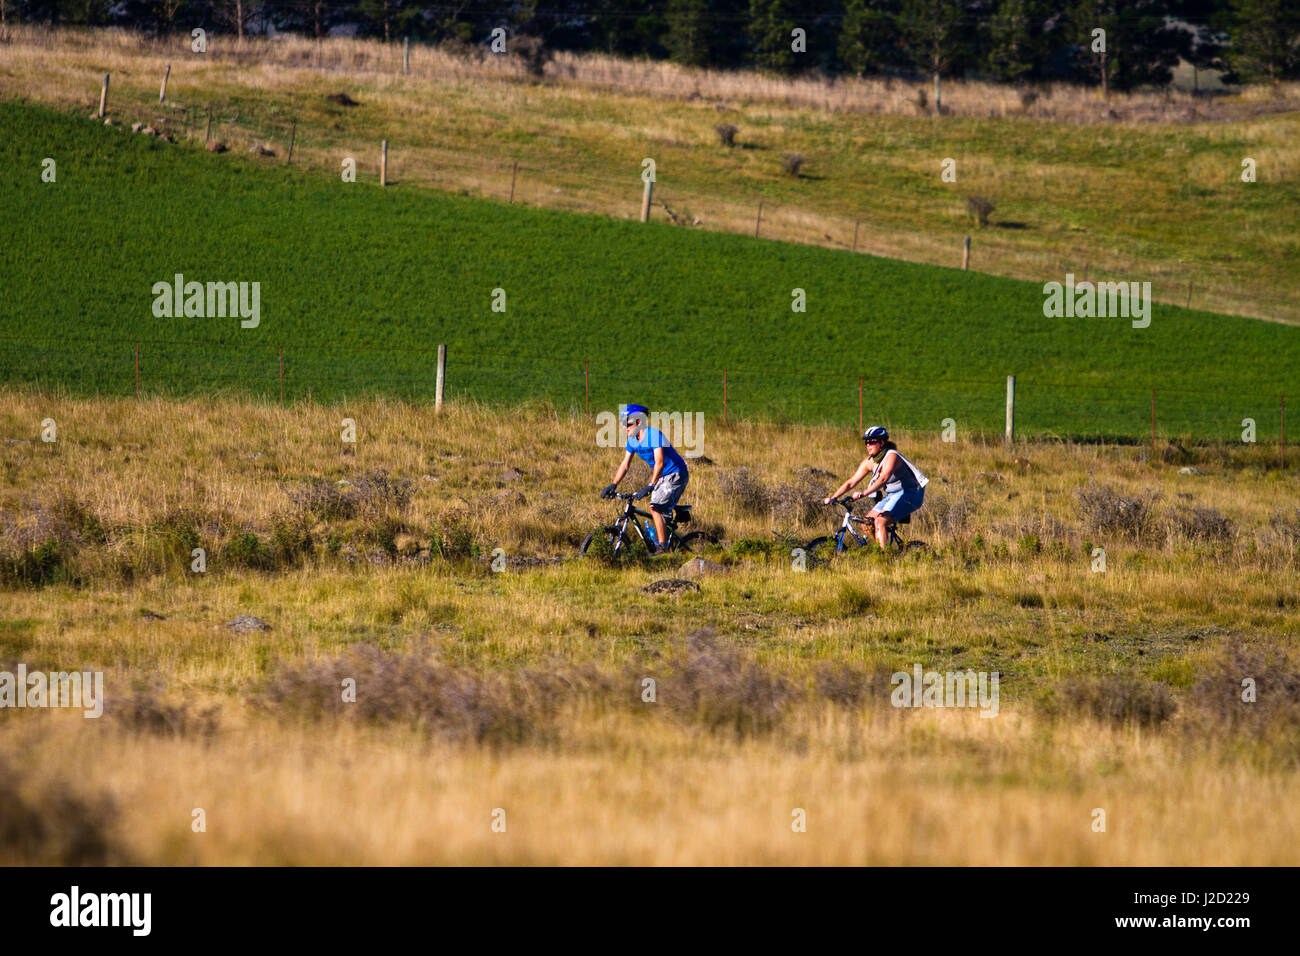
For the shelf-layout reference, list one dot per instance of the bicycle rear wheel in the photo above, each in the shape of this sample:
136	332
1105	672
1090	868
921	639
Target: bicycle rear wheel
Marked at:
696	542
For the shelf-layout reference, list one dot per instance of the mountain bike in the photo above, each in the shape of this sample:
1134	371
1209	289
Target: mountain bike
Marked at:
827	545
627	528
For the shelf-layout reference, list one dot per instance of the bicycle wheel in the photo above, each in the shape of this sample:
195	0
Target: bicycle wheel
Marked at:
696	542
619	544
820	548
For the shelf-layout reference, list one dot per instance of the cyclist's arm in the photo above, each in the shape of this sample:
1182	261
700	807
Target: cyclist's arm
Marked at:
882	478
621	470
862	472
659	466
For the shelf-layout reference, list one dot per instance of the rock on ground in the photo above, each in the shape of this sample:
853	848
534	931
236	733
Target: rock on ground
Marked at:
699	567
246	623
670	586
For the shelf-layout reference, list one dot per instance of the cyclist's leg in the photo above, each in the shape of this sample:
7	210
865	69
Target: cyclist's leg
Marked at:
668	489
882	515
900	505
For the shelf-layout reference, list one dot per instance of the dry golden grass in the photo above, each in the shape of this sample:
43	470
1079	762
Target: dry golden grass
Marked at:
613	779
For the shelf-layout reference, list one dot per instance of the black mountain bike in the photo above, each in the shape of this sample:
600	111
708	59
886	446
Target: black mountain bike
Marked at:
627	528
846	534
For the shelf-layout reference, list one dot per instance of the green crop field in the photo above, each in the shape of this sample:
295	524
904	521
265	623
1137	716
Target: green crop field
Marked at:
360	284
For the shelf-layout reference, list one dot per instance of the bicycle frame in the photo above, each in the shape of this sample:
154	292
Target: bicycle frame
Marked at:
847	525
629	517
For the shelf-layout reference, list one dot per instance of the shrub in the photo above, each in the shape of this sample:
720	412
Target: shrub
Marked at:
146	711
1286	526
948	516
1118	700
323	498
247	550
290	539
534	53
1199	523
792	163
800	501
980	208
1215	702
35	567
377	491
726	133
410	689
53	826
453	540
721	689
1106	512
746	490
1028	98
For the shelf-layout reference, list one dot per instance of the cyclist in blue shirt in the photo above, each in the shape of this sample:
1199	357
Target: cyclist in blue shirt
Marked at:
668	474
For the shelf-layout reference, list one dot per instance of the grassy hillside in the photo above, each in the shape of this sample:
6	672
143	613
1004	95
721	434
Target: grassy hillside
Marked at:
1120	688
1138	186
357	280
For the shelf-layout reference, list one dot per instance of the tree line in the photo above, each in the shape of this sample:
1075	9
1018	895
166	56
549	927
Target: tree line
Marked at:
1014	41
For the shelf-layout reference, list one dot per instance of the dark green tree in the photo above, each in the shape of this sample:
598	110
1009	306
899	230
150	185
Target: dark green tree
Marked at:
868	40
771	24
932	35
687	39
1019	40
1265	39
1142	43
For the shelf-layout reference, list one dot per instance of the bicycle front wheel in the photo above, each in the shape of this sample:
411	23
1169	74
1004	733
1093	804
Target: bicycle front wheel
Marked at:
619	543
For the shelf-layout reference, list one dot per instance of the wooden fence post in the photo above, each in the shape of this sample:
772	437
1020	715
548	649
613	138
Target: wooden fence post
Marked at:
442	370
207	133
856	223
645	200
965	254
406	56
293	138
162	93
383	163
514	173
1153	419
759	220
103	97
1011	409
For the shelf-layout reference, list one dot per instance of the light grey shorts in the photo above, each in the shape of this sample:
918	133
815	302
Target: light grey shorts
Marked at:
667	490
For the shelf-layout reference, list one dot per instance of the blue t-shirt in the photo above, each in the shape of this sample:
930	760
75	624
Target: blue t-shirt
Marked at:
644	449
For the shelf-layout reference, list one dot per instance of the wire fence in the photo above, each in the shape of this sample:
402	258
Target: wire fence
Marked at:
1124	411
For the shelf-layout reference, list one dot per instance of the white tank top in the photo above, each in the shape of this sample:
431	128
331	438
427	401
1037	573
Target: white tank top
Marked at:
906	478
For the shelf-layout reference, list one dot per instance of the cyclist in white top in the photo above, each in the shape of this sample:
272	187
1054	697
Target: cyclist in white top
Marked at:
902	481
